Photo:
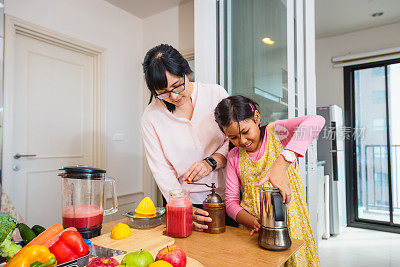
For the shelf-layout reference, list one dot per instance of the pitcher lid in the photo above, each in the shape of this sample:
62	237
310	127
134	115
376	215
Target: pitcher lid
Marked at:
82	169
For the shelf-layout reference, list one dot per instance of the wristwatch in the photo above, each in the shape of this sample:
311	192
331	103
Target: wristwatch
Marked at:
212	162
288	155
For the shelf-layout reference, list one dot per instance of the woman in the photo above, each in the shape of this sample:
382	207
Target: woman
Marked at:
182	140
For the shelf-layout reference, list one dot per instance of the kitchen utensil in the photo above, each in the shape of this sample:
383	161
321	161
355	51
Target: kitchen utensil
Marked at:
273	233
79	262
179	214
138	221
215	207
97	251
82	199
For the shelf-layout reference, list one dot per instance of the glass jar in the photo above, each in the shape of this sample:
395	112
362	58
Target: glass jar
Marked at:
179	214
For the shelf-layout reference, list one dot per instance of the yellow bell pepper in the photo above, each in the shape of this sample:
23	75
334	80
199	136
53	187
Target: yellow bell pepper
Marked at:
33	256
120	231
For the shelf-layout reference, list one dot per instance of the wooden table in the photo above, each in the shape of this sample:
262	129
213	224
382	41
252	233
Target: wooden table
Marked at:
235	247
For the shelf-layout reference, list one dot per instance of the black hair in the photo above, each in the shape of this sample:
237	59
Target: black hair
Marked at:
234	108
157	61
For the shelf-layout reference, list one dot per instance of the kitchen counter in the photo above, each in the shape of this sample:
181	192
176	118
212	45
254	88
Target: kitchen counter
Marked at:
235	247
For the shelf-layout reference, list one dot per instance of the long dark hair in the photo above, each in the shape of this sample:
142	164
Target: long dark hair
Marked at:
234	108
157	61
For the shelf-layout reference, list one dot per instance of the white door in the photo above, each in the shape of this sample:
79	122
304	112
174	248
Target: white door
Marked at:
50	124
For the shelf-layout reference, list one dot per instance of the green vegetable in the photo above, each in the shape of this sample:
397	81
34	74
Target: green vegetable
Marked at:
38	229
7	226
39	264
27	233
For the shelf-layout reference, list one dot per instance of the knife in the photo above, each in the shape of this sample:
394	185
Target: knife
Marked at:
98	251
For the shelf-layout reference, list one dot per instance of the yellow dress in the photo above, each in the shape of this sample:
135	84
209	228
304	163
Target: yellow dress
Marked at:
251	172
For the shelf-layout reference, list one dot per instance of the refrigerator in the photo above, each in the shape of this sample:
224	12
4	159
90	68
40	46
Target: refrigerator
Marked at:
331	150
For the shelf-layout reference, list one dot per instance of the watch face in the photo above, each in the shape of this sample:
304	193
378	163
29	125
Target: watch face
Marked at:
212	162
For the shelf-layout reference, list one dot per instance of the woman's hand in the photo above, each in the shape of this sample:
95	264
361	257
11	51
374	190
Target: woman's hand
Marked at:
199	218
256	226
276	175
197	171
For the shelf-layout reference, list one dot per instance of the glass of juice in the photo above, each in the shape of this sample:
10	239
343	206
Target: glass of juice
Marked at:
179	214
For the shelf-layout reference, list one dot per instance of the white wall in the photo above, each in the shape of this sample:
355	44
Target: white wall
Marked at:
330	80
121	34
186	26
205	38
161	28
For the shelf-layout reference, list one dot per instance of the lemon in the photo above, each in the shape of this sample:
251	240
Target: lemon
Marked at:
120	231
160	263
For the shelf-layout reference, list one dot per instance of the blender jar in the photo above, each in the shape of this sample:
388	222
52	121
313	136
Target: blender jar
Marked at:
82	199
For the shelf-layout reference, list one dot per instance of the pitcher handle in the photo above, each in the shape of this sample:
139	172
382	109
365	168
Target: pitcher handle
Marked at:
279	212
114	208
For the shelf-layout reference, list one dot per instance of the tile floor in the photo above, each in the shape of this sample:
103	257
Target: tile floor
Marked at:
360	247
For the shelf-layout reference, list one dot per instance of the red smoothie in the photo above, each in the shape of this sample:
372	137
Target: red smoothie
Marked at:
179	216
85	217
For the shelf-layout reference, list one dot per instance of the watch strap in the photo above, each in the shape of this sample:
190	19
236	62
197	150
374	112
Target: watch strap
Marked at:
212	162
288	155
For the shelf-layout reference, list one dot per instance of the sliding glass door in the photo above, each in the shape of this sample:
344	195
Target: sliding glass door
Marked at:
267	52
256	54
372	97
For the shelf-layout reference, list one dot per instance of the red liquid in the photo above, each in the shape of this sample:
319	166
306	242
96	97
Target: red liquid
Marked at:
85	217
179	217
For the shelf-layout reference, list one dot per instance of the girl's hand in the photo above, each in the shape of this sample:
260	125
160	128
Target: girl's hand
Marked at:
256	226
276	175
199	218
197	171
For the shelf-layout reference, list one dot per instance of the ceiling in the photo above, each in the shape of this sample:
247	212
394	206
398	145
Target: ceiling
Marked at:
334	17
145	8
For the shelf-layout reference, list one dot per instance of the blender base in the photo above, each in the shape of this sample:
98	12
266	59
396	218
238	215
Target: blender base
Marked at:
88	234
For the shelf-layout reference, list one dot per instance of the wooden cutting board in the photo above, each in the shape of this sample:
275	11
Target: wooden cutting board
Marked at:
151	240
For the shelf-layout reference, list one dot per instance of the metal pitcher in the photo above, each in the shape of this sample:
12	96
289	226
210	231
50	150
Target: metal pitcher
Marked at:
273	233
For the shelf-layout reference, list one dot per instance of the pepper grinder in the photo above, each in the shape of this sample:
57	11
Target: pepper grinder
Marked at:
215	207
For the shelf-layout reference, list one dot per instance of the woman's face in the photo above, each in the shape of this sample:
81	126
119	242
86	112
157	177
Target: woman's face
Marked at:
177	84
249	135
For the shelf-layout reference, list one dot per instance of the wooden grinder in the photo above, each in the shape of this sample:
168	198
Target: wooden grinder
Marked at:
215	206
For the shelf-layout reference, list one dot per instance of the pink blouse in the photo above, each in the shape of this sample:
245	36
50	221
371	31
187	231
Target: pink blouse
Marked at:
295	134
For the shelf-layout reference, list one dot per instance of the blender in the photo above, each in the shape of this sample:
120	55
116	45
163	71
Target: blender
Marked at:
82	199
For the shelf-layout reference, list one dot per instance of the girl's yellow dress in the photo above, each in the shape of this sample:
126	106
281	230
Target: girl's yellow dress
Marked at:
251	172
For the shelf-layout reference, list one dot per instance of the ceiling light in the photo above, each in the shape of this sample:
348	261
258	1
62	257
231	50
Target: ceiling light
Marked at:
377	14
268	41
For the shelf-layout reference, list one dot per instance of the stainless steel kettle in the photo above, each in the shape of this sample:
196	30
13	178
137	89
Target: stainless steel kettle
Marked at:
273	233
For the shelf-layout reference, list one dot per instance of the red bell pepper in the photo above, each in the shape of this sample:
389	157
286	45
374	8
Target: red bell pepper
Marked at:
69	246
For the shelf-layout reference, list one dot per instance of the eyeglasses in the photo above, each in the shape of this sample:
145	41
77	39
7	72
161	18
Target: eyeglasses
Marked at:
175	90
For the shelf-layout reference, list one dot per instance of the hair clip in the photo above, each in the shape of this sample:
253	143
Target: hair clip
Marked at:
252	107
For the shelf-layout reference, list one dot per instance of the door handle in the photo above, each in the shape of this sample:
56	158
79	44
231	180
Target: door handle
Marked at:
17	156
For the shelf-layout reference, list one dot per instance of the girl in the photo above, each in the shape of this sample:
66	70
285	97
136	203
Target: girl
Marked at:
266	156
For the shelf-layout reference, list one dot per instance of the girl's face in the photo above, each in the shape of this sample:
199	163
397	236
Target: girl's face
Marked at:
177	84
249	135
